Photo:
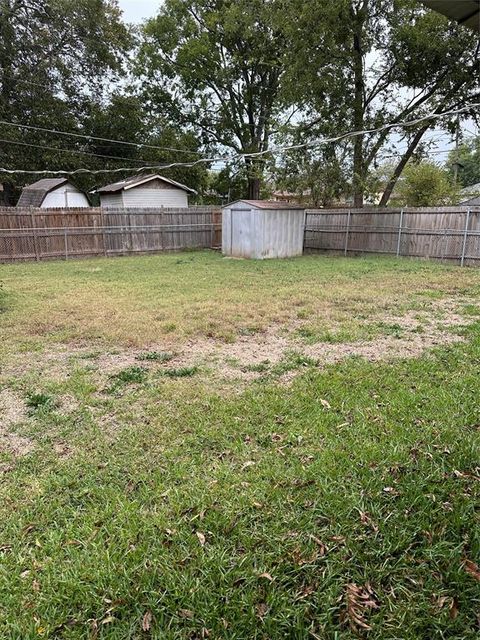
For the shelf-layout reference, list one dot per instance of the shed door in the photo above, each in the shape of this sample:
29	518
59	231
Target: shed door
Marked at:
241	235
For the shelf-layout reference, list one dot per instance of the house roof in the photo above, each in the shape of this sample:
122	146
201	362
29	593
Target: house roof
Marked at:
465	12
269	204
472	189
34	194
136	181
471	195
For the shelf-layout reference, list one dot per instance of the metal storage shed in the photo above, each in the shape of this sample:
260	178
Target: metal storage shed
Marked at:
261	229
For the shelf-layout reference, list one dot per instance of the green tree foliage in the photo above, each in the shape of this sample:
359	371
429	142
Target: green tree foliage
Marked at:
321	175
425	184
56	57
216	66
468	161
363	63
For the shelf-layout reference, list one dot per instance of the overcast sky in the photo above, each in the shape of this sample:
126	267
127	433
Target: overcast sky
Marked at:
138	10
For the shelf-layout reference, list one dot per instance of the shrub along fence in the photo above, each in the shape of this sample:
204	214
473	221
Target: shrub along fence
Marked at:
38	234
445	233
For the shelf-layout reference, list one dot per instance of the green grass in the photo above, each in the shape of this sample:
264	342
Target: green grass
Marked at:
211	514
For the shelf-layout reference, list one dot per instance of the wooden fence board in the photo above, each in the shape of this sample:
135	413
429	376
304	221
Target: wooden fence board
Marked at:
437	232
36	234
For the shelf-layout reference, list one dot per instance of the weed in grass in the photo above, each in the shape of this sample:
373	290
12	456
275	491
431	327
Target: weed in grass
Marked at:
311	335
471	310
130	375
292	361
156	356
41	402
259	367
390	329
180	372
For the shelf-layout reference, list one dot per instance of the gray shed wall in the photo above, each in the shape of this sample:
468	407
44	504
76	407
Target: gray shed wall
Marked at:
248	232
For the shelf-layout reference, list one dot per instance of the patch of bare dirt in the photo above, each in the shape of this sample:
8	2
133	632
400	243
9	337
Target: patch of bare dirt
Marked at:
418	330
12	409
13	412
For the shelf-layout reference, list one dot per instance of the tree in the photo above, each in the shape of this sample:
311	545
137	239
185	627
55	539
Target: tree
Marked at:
322	174
425	184
468	162
56	57
361	64
216	66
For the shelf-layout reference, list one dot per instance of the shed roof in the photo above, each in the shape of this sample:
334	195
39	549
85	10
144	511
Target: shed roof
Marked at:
465	12
136	181
34	194
269	204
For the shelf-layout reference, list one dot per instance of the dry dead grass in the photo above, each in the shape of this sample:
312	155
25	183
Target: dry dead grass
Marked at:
418	330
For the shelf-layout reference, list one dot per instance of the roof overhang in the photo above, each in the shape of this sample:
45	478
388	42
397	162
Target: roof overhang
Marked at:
466	12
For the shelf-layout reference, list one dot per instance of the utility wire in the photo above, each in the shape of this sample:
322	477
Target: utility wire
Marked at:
138	145
79	151
314	143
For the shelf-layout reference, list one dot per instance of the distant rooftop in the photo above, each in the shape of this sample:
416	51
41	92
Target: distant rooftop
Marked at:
34	194
135	181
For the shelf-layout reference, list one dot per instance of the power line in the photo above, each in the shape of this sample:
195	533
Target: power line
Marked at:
138	145
351	134
79	151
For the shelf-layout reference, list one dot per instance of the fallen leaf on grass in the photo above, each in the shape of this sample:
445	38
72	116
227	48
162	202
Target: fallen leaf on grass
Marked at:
358	601
472	568
366	520
247	464
147	621
108	620
325	403
261	609
201	537
186	613
267	576
321	546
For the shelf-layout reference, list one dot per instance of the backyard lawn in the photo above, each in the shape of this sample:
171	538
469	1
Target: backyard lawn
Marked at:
197	447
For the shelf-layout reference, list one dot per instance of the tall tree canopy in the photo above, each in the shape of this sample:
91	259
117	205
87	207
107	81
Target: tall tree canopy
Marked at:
56	59
363	63
217	66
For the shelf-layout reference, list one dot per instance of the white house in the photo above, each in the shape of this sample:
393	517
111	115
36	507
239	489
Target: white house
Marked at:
51	193
150	191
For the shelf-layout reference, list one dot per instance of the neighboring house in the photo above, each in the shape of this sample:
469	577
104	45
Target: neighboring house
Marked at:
52	193
470	195
145	191
290	196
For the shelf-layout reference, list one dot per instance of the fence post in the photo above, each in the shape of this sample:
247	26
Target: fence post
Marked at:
465	236
399	239
65	242
35	239
346	233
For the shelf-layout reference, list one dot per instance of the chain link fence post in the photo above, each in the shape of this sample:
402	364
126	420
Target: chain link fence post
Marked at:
65	242
346	233
465	236
399	238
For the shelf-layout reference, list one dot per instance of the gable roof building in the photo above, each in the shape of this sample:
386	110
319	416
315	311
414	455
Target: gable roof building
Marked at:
471	195
52	192
145	191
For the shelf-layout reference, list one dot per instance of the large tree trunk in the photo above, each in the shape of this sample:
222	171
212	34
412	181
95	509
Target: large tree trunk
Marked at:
401	166
253	188
254	172
358	109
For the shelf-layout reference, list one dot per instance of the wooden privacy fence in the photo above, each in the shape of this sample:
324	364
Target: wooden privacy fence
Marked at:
445	233
37	234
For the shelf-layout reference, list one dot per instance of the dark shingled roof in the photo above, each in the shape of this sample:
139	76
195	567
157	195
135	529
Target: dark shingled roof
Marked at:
34	194
465	12
129	183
